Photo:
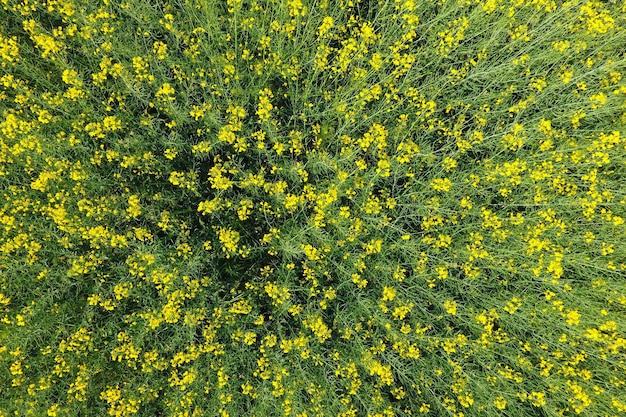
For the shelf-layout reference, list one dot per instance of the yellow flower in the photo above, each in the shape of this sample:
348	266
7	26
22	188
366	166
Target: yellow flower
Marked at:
170	153
241	307
512	306
265	107
566	75
515	139
217	179
244	210
561	46
210	206
318	327
441	184
9	50
296	8
229	239
160	50
573	317
326	25
184	179
450	307
166	92
376	61
598	100
389	293
278	295
500	402
449	163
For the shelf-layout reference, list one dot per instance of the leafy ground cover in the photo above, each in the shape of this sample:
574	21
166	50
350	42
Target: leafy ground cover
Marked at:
312	208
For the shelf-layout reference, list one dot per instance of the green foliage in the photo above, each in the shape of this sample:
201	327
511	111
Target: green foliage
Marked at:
297	208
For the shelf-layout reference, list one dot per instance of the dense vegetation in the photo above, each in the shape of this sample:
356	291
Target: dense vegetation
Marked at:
313	208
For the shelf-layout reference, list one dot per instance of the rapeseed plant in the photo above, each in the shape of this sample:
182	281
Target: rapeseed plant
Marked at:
353	208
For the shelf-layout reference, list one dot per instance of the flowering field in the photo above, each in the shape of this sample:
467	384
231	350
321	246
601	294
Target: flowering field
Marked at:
309	208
